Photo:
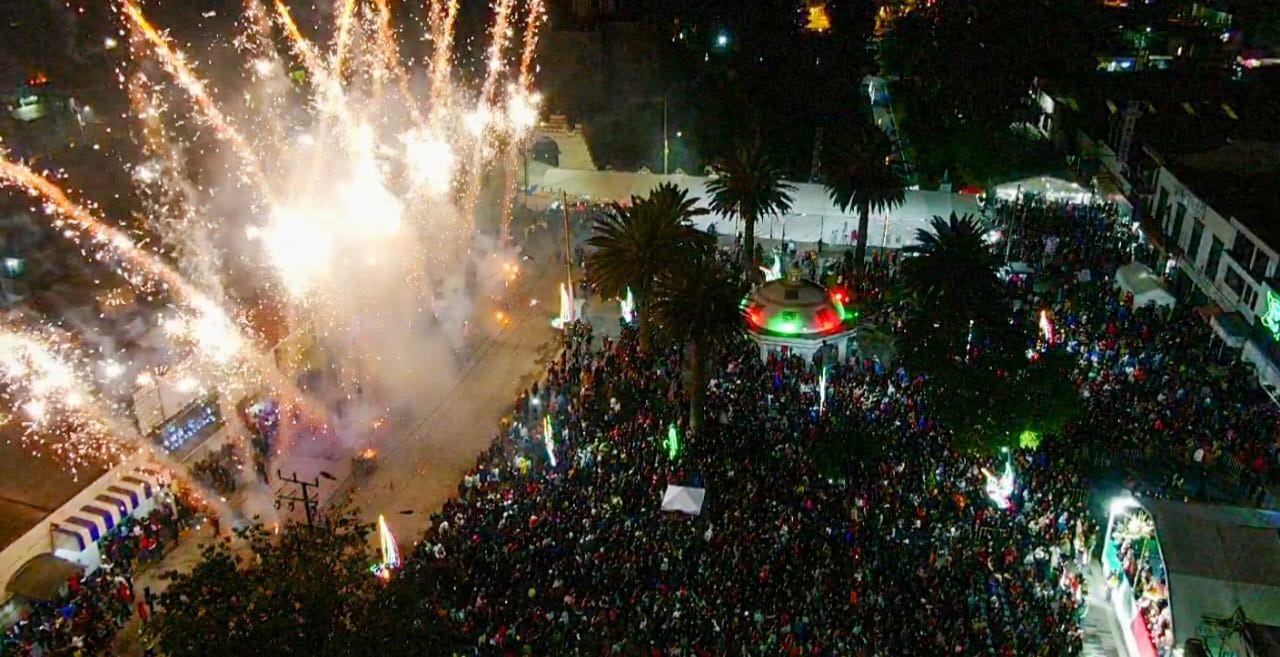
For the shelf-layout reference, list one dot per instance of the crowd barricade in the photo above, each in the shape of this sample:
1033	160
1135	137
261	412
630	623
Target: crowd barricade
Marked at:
1232	467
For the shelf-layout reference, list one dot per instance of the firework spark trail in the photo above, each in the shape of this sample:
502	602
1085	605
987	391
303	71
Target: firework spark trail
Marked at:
175	63
262	61
259	27
107	241
390	52
345	11
39	377
509	183
162	179
443	16
347	192
299	44
536	14
216	332
500	37
333	103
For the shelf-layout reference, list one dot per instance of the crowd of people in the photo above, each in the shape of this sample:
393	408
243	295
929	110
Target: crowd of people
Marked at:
896	546
84	617
1157	382
563	549
902	549
219	471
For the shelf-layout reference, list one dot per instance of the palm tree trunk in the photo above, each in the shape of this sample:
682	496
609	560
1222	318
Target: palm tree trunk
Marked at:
860	254
749	242
644	324
698	397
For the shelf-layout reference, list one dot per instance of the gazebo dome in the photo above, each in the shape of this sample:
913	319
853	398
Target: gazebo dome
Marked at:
793	307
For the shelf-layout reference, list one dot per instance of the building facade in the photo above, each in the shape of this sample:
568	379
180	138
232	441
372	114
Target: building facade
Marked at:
1217	259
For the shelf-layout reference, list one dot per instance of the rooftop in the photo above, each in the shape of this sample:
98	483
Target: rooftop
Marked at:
1220	137
1240	179
32	486
795	307
1218	558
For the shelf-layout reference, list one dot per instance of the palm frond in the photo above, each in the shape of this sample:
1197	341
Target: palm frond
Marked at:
857	176
748	182
700	299
635	244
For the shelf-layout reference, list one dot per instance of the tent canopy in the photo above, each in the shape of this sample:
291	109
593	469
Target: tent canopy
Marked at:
1231	327
1218	558
1137	279
1054	189
684	499
42	577
812	217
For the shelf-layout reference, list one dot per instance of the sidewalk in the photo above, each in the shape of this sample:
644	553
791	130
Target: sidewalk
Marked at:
1101	631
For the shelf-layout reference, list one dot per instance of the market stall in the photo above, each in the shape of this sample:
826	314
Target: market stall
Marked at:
1138	280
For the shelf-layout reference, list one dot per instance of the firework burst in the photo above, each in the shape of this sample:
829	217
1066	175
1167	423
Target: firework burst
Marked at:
341	191
46	381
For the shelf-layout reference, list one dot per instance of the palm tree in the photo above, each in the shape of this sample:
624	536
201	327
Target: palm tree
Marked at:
858	177
749	184
635	245
952	255
951	276
699	304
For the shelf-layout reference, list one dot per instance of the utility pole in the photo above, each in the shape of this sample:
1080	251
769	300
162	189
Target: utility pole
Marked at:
568	255
666	148
310	502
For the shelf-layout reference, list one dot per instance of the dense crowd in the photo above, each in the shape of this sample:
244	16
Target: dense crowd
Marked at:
895	547
564	550
1157	382
219	471
84	617
902	549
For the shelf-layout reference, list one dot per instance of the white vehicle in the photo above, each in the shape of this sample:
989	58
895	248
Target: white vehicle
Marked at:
28	108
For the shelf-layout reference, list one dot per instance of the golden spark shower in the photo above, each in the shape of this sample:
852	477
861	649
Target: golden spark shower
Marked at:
318	219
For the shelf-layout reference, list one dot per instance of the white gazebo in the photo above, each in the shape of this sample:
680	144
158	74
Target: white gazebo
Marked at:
798	316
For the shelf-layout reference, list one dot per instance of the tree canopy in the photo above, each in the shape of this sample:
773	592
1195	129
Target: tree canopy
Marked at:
858	177
986	382
700	304
749	185
301	591
636	243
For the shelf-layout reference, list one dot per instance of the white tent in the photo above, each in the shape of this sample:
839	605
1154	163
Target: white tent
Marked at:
684	499
1054	189
1137	279
813	217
